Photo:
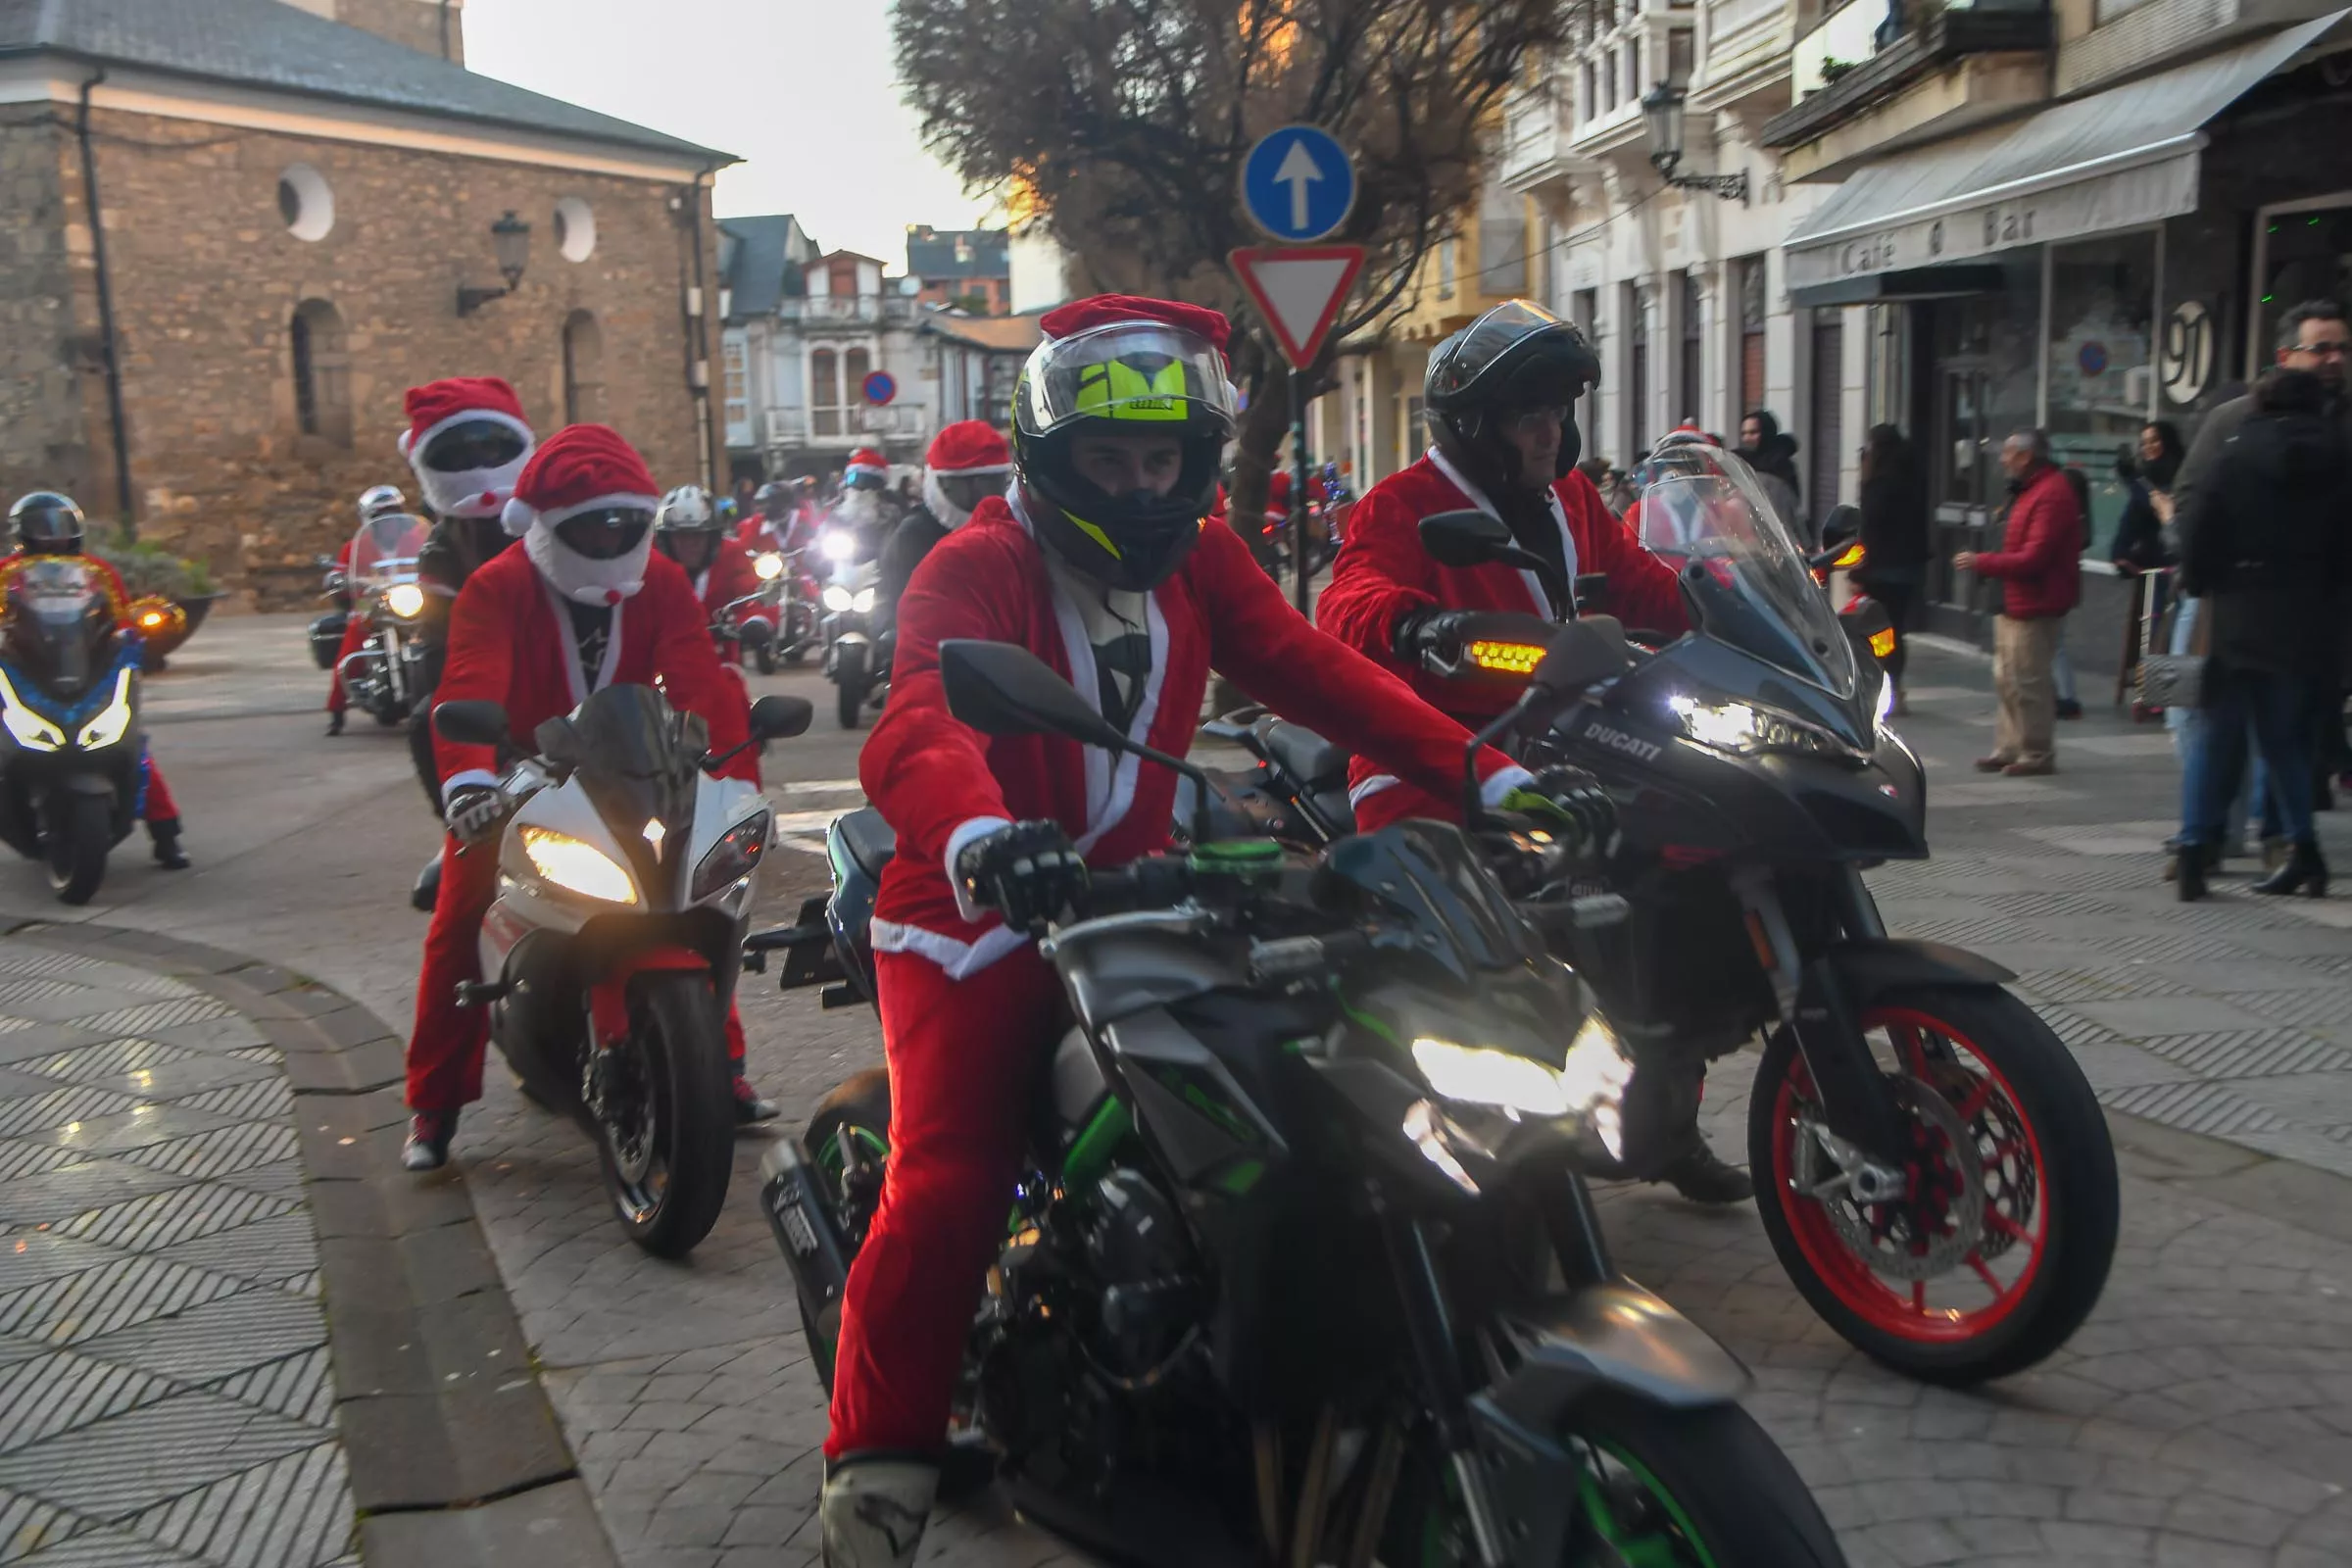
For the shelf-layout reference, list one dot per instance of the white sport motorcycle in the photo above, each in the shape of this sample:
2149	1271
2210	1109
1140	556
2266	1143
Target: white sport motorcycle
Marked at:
611	953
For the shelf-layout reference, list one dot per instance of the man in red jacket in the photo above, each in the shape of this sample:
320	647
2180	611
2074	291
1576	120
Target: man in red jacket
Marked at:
583	604
1501	397
1100	562
2040	567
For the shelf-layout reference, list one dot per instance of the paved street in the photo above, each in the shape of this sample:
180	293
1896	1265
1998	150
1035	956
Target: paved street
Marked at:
2203	1417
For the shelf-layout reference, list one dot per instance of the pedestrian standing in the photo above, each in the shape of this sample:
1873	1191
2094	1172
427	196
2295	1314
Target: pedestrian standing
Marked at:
1895	537
2147	477
2062	663
1772	453
2266	543
2039	569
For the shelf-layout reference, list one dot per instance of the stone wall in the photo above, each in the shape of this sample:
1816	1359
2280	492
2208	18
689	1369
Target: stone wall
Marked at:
46	352
208	278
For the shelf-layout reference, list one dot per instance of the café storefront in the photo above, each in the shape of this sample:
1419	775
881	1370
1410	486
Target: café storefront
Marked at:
2105	261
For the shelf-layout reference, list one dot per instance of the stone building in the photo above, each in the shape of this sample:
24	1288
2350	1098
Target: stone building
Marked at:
298	203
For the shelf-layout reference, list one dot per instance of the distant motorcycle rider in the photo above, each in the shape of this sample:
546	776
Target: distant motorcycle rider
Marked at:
48	522
377	500
1501	396
966	464
688	530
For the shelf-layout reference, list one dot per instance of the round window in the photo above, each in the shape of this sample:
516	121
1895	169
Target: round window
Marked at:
306	202
575	230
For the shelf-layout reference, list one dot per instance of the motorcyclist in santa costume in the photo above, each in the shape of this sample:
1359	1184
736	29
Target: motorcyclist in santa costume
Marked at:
968	462
1100	562
583	604
377	500
47	522
1501	398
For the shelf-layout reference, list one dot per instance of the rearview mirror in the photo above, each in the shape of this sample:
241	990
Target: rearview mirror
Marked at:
1584	652
1843	523
778	718
1468	538
999	689
470	722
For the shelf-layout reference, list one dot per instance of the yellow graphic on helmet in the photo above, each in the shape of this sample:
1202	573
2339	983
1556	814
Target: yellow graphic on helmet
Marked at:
1117	390
1093	533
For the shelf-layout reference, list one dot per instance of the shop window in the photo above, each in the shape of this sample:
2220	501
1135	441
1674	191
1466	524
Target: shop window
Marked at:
2102	309
322	373
824	393
1750	269
583	370
2305	255
1826	431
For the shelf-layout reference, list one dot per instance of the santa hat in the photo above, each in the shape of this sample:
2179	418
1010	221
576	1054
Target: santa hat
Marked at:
1110	310
867	463
968	447
583	468
438	404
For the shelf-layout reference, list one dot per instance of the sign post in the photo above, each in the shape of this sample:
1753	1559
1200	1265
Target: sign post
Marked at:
1298	187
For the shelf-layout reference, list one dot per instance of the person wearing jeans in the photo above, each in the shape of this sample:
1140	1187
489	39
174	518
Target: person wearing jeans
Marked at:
2040	575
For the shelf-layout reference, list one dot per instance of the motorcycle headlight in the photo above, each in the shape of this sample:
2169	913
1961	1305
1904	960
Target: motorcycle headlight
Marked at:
769	568
30	730
838	599
1590	1083
405	599
577	867
1742	728
837	546
861	601
114	720
733	858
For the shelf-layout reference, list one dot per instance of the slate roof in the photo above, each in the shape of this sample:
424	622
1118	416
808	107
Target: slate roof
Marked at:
269	45
931	252
756	267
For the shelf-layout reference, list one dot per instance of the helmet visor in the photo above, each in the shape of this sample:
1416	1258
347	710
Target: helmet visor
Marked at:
472	445
54	528
606	534
1141	375
1473	350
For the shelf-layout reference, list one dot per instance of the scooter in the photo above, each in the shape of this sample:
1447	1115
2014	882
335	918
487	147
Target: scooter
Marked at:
625	880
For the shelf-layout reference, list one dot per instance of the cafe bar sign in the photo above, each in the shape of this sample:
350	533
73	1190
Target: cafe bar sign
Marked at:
1967	229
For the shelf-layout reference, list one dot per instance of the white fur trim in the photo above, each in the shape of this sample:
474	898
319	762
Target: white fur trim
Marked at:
1370	787
935	495
477	492
516	516
1536	596
577	578
957	959
470	775
1502	782
968	829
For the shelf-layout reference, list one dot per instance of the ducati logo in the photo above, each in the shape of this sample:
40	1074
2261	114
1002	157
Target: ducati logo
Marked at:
1617	740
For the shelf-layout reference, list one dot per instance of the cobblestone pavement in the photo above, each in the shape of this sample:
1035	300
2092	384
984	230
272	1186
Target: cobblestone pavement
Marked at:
164	1391
2202	1417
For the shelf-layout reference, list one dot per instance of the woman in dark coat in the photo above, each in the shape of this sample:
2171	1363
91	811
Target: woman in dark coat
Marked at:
2147	507
1894	535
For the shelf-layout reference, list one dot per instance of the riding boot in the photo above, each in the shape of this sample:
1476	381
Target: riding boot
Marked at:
873	1509
2188	871
428	890
2304	872
427	1147
165	836
1705	1177
334	721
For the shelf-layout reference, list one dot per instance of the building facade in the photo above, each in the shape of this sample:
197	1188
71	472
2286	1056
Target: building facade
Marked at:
243	231
2081	216
969	268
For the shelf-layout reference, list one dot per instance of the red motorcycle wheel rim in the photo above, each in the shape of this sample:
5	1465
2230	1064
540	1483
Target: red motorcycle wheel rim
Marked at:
1898	1307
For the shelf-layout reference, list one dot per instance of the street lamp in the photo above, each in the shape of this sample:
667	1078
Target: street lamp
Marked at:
1662	112
511	244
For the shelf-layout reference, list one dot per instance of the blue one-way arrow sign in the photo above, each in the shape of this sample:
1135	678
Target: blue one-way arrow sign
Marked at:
1298	184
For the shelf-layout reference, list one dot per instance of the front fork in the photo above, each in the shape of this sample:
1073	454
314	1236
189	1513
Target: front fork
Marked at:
1866	1128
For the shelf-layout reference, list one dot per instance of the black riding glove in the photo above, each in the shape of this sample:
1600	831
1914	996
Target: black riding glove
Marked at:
1428	629
1027	872
1571	804
475	811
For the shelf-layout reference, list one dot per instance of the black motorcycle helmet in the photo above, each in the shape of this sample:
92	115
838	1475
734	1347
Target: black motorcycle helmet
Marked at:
46	522
1516	356
773	499
1140	377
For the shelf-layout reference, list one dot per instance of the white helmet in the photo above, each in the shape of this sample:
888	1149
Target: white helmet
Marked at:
687	510
379	499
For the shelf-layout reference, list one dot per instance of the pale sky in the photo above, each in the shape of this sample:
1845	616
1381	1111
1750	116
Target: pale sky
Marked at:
802	90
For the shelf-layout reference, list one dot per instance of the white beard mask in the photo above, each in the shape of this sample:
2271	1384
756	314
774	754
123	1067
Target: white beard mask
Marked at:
580	577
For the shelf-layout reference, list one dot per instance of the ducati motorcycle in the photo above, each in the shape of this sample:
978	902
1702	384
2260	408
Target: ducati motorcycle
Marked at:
1300	1268
611	953
74	766
1932	1166
384	676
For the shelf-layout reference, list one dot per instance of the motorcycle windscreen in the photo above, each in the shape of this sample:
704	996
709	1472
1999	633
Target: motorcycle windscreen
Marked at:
1423	886
638	759
59	622
385	549
1743	574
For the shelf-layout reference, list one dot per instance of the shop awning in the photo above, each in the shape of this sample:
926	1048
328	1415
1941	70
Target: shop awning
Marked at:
2103	161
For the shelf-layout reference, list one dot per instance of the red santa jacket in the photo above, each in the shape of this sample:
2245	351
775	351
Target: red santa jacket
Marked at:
939	783
727	578
511	642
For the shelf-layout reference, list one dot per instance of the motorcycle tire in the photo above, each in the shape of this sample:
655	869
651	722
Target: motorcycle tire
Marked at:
849	702
764	656
2044	1164
861	1104
1657	1486
391	716
79	838
678	1028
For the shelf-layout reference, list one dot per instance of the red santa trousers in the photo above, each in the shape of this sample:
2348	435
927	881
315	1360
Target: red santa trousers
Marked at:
445	1052
964	1057
156	802
355	638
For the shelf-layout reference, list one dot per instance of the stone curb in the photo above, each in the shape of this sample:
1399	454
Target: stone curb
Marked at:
454	1454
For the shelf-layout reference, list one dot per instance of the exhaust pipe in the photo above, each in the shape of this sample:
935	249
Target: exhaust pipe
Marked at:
801	1214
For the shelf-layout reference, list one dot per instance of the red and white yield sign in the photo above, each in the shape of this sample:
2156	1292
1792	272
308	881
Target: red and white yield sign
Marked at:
1298	290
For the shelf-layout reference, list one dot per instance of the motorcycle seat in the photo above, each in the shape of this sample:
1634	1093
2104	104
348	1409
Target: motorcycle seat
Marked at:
868	839
1302	754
